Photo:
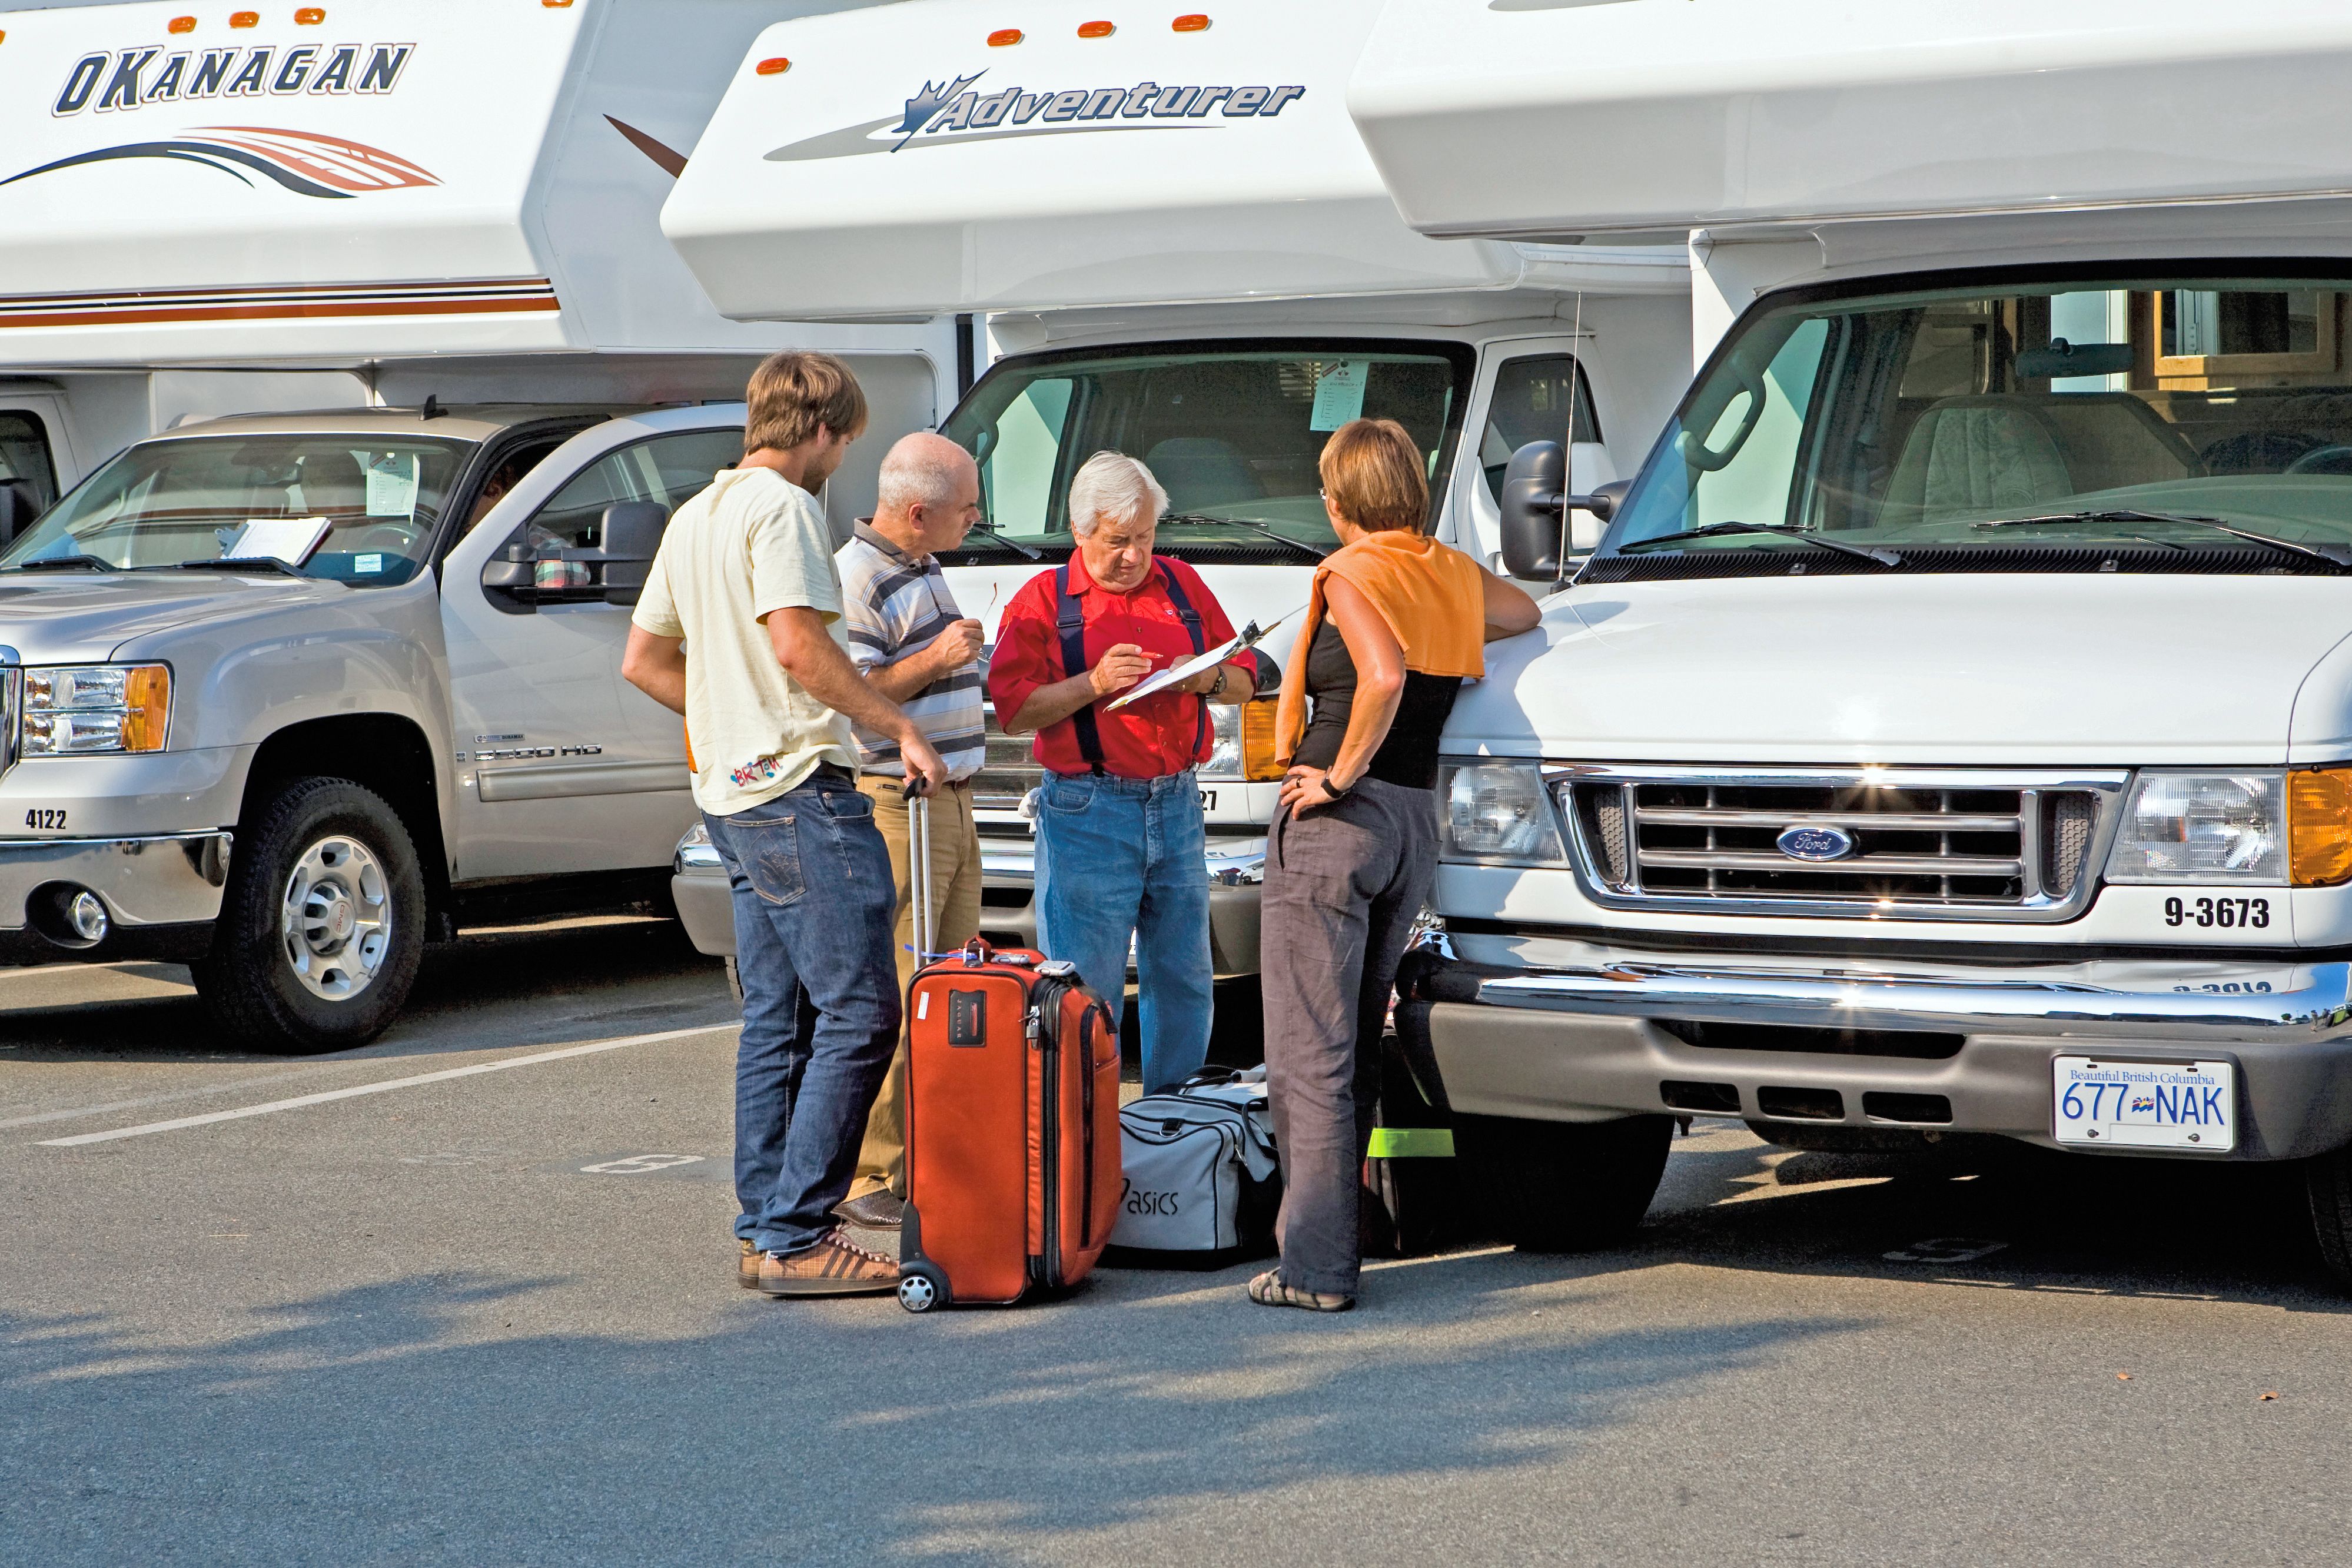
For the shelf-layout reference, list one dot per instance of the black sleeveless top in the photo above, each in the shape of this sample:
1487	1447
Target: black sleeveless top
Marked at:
1408	757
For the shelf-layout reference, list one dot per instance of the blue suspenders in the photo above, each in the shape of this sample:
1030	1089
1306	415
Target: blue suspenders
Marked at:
1069	620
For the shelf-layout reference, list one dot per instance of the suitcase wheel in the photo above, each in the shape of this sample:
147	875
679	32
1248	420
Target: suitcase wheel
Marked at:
922	1286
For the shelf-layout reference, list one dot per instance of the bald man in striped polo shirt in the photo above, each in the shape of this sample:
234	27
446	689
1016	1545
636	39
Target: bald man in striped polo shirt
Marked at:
916	648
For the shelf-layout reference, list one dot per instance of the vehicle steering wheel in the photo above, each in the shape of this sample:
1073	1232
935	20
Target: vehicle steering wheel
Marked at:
2334	460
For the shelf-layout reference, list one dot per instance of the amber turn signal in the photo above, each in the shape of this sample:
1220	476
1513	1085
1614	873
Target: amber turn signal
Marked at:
2319	826
147	701
1258	763
1004	37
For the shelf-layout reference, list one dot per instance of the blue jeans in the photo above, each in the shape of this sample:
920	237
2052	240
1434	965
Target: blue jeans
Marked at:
813	907
1118	857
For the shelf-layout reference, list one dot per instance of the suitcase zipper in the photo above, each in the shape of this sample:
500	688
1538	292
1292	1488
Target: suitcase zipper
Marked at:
1087	1132
1046	1039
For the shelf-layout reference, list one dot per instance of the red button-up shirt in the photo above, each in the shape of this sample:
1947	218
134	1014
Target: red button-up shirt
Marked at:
1160	735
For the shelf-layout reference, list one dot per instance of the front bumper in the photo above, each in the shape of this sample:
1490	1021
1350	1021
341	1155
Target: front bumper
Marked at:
148	885
1567	1030
1008	913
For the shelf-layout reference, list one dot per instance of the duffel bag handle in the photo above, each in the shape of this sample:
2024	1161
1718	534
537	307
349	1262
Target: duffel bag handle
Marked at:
977	952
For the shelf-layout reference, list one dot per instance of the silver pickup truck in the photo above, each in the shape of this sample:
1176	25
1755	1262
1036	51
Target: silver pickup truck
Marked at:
283	697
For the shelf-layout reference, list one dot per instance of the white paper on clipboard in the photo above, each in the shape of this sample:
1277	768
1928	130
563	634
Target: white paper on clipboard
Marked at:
1176	674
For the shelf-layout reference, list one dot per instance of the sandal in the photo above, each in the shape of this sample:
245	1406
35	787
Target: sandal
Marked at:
1270	1290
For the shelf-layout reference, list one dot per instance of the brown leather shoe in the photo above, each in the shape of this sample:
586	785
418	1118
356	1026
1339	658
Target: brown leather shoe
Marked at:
833	1266
881	1210
747	1268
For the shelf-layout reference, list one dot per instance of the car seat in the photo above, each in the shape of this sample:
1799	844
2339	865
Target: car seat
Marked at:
1976	453
1201	472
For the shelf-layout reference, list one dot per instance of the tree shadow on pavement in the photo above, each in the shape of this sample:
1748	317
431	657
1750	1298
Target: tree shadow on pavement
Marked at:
407	1421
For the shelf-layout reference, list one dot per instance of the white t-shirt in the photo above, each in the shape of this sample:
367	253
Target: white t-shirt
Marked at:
752	543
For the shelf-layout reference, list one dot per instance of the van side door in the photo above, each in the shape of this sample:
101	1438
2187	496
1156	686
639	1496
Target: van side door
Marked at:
562	766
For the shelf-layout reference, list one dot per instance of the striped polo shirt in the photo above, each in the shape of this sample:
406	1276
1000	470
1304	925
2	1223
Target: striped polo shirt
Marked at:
893	605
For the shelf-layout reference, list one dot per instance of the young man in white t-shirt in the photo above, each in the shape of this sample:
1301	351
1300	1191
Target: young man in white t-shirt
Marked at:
745	579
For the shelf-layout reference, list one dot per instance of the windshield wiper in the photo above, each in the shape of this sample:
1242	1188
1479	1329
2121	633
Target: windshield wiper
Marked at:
2334	554
1777	531
988	531
1257	528
242	564
65	563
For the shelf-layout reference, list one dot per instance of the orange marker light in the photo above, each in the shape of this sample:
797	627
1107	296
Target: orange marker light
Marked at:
1190	22
309	16
1096	30
555	4
183	25
1004	37
774	65
245	18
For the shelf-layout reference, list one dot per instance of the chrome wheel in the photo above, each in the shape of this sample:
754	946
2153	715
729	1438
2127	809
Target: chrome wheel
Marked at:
335	923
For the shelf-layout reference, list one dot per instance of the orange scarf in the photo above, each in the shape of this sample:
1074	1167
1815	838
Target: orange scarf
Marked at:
1432	598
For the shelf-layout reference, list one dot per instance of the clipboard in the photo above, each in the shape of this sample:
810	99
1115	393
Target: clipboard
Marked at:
1176	675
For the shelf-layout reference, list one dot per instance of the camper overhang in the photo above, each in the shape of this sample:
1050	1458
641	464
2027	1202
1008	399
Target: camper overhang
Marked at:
901	164
1637	115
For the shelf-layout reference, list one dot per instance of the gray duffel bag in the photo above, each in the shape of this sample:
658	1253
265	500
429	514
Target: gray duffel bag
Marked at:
1202	1183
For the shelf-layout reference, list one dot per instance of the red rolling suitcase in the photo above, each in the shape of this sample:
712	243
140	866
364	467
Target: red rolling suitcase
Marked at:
1012	1146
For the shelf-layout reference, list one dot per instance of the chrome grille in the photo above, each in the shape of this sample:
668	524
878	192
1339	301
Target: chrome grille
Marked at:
1008	772
1919	843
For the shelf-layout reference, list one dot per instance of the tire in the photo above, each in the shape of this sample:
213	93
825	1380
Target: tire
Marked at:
735	981
1567	1186
2329	1180
321	925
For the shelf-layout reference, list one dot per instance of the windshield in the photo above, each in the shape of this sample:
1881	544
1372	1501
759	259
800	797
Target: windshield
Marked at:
165	504
2115	424
1233	433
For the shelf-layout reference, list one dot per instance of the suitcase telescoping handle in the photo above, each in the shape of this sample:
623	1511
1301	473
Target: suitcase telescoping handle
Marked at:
918	876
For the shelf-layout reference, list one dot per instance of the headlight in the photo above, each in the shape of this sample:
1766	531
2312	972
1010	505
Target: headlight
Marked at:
76	709
1497	811
2203	828
1241	741
696	852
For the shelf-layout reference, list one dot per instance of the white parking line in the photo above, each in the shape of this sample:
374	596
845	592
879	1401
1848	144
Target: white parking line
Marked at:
74	1113
382	1087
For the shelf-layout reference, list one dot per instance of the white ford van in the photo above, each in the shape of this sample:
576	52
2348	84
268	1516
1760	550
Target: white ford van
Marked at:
1952	732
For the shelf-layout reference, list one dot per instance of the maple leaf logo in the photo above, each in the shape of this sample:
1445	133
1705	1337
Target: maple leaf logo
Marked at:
925	106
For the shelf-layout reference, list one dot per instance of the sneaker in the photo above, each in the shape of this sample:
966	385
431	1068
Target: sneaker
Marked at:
879	1210
747	1268
835	1266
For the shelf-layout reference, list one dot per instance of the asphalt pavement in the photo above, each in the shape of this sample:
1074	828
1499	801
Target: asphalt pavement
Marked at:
466	1297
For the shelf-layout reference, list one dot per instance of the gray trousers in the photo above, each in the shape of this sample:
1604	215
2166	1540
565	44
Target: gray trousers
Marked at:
1342	886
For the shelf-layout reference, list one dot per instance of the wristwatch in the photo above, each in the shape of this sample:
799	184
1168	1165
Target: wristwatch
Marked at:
1335	794
1219	689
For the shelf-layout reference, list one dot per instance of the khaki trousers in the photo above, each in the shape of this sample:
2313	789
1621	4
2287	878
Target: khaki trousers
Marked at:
955	920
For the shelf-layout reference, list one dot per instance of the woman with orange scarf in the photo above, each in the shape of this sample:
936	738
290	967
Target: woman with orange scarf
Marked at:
1395	623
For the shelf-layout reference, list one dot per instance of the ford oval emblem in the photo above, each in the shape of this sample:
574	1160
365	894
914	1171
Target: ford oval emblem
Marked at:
1815	841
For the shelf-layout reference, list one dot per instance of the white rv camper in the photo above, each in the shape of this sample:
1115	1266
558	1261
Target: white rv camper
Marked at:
284	692
1179	247
1953	732
208	210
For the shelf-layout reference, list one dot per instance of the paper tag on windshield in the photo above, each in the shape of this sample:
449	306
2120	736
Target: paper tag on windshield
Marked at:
1339	394
288	539
391	485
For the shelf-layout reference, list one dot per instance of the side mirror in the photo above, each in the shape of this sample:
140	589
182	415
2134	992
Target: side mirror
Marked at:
627	537
1535	507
